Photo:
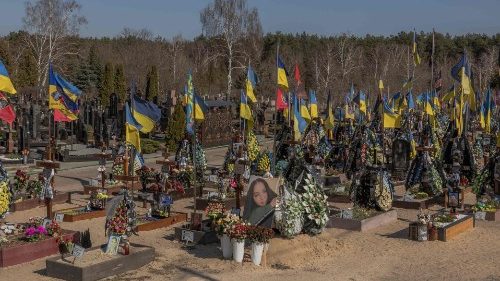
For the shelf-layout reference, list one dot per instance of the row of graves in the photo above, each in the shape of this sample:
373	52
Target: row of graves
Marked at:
257	194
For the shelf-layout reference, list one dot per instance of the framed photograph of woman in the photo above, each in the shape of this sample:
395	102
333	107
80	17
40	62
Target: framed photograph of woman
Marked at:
261	201
113	244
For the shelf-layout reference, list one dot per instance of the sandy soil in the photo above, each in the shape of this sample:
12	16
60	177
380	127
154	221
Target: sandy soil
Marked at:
382	254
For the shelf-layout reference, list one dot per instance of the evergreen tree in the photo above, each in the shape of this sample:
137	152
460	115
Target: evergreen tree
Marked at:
176	127
119	83
95	70
4	55
152	84
83	79
26	72
107	85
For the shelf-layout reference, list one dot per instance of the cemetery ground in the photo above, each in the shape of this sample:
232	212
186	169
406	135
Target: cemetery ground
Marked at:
381	254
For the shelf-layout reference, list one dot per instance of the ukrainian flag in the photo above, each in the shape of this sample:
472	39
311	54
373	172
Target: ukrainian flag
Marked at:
132	128
313	104
391	119
416	57
299	124
462	72
245	111
200	108
330	119
428	108
145	113
251	83
304	112
409	99
487	109
362	102
282	75
5	82
449	95
63	95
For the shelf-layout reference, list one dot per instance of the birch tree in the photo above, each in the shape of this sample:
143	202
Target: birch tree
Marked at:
49	23
230	21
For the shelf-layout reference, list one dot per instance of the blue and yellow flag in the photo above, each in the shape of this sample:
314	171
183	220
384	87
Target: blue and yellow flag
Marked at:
132	128
145	113
362	102
304	112
391	119
5	82
330	119
200	108
251	83
462	72
282	75
63	95
428	108
313	104
299	124
416	57
487	111
245	111
449	95
409	100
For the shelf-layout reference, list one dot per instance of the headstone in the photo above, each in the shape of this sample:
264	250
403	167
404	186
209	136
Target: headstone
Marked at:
35	120
400	155
113	105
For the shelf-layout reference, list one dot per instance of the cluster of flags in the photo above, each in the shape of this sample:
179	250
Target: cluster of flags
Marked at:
7	112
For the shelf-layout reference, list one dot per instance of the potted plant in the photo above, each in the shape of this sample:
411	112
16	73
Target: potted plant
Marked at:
238	234
259	236
222	227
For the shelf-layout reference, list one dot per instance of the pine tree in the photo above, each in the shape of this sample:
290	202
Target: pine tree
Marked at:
152	84
95	70
107	85
26	72
4	55
119	83
176	127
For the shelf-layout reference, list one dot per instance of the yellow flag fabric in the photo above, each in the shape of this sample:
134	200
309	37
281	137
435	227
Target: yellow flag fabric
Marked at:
282	75
391	119
132	136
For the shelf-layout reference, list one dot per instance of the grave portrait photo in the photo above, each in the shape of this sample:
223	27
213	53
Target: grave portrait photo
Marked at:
261	201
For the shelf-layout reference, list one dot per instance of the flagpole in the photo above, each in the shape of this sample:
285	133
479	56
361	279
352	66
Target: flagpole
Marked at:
193	148
432	61
276	115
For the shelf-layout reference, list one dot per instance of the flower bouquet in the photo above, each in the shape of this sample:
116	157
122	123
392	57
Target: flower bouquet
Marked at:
4	198
54	229
238	233
259	234
215	210
34	233
222	227
224	224
65	246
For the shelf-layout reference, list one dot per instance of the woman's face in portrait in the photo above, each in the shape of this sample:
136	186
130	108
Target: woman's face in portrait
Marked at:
260	194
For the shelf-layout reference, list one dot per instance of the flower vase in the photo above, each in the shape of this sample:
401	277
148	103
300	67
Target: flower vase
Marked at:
238	250
227	247
257	250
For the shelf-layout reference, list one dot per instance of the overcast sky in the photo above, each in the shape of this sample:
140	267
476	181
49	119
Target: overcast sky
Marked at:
168	18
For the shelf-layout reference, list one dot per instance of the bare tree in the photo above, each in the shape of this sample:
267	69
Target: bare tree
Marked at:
231	21
347	55
49	24
175	50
